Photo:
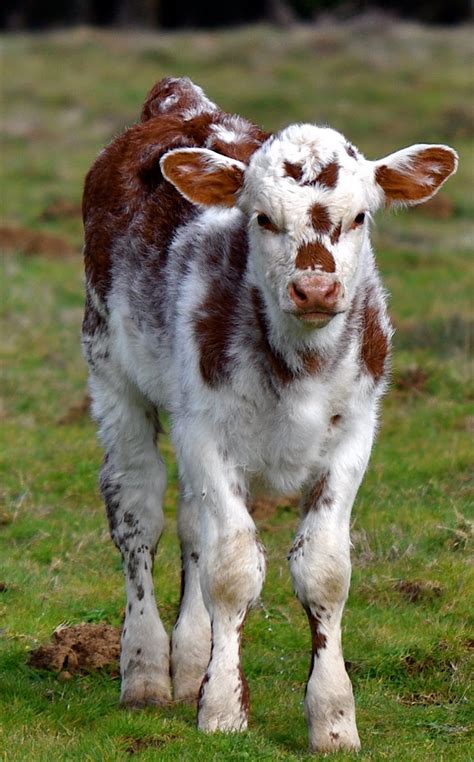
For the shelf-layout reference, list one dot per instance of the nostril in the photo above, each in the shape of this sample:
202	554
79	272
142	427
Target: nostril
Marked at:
333	291
297	294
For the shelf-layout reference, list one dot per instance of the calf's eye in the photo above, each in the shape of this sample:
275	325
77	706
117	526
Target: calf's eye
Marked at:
360	219
265	222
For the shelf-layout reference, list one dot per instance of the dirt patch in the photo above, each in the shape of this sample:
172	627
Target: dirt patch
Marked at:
34	242
413	380
444	336
3	587
61	208
415	591
265	507
424	699
81	648
77	413
439	208
137	745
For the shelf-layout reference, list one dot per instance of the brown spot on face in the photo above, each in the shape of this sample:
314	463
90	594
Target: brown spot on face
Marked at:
293	170
319	495
315	255
333	735
374	348
328	175
320	218
336	234
335	419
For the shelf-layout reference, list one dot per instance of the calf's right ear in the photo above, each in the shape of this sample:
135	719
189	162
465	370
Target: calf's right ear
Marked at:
204	177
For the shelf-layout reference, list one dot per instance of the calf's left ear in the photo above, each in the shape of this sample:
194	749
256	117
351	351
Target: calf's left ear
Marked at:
413	175
204	177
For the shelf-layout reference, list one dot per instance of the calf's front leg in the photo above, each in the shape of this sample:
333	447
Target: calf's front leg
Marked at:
231	568
320	567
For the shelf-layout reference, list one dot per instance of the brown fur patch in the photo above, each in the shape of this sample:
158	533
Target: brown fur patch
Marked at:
318	496
315	255
312	362
318	638
125	196
374	348
428	168
293	170
214	320
328	175
191	174
275	364
320	218
336	234
181	89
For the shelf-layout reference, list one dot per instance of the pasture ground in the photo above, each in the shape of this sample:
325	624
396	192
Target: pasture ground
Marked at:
407	635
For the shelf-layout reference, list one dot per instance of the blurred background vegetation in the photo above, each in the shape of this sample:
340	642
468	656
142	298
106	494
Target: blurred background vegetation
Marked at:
407	631
173	14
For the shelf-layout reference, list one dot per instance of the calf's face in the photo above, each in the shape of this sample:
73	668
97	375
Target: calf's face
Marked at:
308	195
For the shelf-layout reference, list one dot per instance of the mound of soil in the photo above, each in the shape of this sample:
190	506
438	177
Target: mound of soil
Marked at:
78	412
82	648
61	208
33	242
415	591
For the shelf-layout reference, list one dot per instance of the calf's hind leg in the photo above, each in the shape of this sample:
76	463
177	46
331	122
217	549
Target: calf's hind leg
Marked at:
132	482
191	640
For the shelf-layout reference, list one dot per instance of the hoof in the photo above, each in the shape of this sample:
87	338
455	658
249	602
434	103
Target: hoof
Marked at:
223	723
150	689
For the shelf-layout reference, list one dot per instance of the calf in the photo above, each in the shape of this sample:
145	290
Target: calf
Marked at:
231	282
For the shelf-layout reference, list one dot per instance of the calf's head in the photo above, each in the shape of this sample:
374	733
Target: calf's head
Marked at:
308	195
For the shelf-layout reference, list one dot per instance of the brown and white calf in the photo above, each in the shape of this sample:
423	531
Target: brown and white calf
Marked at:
231	282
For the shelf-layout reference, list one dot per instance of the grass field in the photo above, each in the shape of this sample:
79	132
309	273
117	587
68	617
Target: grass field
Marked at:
407	634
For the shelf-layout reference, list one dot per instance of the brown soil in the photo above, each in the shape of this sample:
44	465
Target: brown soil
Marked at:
137	745
411	380
418	591
439	207
264	507
76	413
60	209
31	242
81	648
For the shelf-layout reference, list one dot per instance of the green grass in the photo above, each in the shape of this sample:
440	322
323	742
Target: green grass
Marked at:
65	95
